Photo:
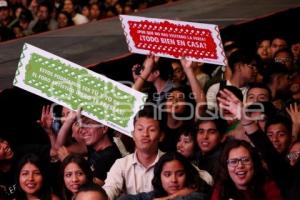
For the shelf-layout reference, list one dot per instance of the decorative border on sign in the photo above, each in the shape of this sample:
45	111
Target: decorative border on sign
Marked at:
185	33
220	45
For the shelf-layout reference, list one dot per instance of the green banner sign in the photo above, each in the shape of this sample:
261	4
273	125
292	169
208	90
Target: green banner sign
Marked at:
73	86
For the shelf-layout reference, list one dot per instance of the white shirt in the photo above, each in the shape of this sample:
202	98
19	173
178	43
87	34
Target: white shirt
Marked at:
128	175
80	19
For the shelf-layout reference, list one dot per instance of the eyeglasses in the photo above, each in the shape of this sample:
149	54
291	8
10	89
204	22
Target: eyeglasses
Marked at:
252	66
234	162
293	155
283	60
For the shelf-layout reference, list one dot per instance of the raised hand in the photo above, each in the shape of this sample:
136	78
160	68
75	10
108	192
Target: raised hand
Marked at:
231	103
46	119
150	62
186	64
294	113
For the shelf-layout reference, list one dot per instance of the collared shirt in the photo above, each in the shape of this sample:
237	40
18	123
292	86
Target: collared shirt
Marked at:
128	175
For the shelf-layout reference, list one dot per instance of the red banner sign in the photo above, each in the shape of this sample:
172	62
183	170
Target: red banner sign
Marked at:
174	39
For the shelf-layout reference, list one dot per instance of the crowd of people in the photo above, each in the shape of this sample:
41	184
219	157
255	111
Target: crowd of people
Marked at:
230	134
19	18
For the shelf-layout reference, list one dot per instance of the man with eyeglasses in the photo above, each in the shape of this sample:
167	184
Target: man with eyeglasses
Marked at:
243	67
285	57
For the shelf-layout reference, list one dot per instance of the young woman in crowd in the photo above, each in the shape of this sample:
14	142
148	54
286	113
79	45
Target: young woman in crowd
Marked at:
174	178
187	146
32	181
179	109
242	176
75	171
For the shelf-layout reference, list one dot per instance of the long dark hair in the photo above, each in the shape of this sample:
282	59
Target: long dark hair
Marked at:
44	193
192	180
84	166
224	182
187	98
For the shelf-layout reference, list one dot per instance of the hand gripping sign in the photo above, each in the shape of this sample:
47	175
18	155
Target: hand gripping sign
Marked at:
174	39
73	86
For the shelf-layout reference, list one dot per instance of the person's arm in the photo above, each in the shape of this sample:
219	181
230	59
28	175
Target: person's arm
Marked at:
114	182
46	123
195	86
278	167
211	96
145	73
294	113
66	128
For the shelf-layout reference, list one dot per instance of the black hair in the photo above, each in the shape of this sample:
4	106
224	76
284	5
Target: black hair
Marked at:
44	193
26	15
153	112
236	91
83	165
68	16
190	131
164	66
92	187
192	179
279	36
261	86
188	98
274	68
221	124
284	50
240	56
280	119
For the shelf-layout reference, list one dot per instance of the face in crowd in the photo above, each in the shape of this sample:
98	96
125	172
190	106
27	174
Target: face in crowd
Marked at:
240	167
208	136
146	134
263	50
277	44
6	152
173	176
176	103
92	132
186	145
279	136
257	95
178	73
248	72
30	179
74	177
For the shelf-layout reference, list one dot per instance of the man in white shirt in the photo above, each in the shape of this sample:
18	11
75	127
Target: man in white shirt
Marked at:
133	174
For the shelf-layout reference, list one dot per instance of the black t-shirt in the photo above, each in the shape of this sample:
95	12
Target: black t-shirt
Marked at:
7	184
7	179
102	161
171	137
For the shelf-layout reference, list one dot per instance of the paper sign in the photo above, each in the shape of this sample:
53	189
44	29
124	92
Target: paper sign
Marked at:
174	39
73	86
